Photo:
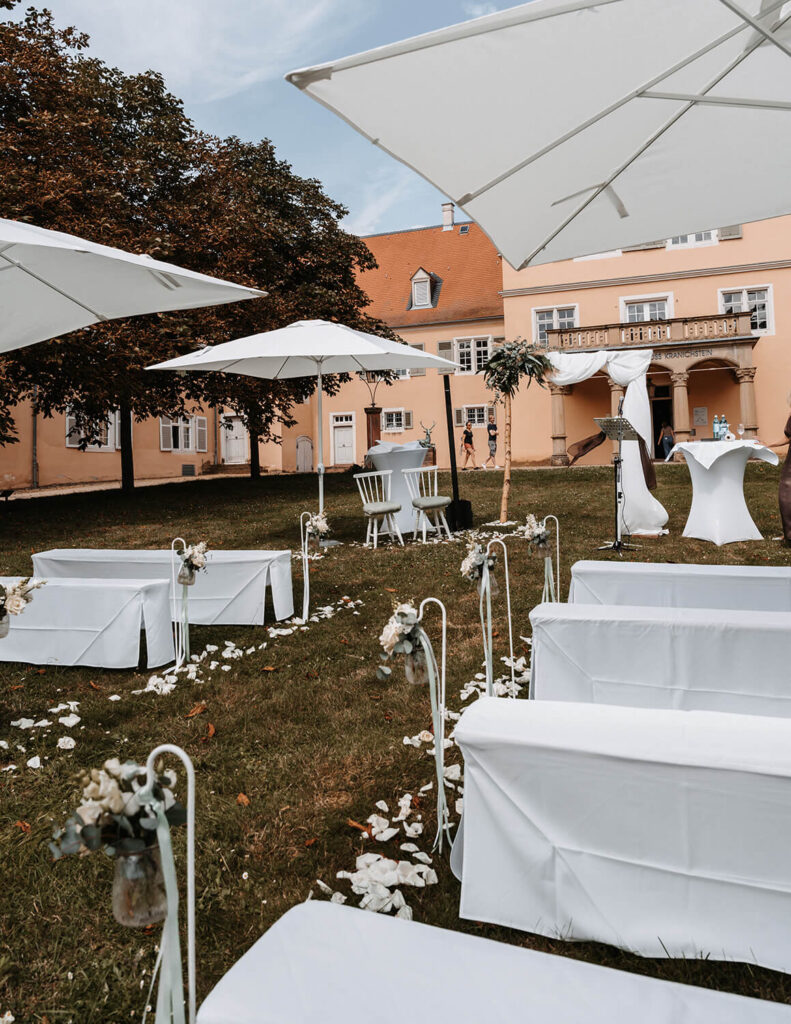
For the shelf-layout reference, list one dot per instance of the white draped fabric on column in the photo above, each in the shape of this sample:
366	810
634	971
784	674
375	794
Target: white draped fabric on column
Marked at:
642	513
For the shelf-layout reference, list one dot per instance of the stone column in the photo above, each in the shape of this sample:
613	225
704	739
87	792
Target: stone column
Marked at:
559	455
745	375
679	379
616	394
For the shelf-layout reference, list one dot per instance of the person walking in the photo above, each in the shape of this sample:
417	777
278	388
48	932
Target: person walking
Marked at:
666	439
491	430
467	446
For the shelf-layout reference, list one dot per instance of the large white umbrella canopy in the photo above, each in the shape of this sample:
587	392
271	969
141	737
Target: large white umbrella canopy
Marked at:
52	283
568	128
307	348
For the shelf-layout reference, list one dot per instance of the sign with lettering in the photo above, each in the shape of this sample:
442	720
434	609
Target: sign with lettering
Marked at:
687	353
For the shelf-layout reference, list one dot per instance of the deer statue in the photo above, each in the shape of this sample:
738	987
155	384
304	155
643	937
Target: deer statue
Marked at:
426	442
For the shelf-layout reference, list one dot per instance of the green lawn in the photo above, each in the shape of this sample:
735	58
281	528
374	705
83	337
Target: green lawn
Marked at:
302	728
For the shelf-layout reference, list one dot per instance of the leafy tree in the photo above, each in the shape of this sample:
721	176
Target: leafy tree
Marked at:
113	157
507	367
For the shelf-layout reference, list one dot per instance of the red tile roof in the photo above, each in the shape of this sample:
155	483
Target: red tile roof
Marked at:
468	266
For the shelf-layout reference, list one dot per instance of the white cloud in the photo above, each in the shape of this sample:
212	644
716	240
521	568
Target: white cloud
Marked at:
212	49
377	196
473	10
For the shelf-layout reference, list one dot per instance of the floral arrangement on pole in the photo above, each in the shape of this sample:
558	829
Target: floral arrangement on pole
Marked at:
14	598
536	534
401	635
472	566
508	366
316	526
193	560
112	818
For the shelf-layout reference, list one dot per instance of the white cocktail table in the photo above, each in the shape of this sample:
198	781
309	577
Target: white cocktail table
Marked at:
92	622
230	592
663	832
719	512
396	457
665	585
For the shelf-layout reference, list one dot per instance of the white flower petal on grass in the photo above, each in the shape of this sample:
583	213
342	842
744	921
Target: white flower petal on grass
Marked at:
114	696
382	806
34	762
226	668
66	743
323	887
408	848
453	772
69	720
414	830
386	835
338	897
460	806
405	913
427	787
23	723
9	768
422	857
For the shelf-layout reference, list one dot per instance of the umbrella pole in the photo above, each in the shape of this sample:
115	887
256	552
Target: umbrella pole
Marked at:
320	435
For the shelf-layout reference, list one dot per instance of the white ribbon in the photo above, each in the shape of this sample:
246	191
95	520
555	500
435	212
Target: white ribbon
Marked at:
304	537
436	683
180	616
486	618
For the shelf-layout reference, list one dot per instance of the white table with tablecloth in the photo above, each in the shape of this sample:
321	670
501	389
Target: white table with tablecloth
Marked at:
663	832
385	455
687	658
669	585
303	969
719	512
231	591
92	622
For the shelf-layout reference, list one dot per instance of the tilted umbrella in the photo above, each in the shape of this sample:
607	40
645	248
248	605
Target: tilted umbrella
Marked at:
568	127
52	283
308	348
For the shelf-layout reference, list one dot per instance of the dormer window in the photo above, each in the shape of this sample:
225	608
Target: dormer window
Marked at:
421	290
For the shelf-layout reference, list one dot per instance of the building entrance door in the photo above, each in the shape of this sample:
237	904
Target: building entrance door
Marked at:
234	435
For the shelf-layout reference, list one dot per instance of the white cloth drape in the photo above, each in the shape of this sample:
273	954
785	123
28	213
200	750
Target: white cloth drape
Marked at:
642	513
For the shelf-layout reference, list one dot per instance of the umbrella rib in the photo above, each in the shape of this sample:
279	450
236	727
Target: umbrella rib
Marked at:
768	34
47	284
647	145
573	132
725	101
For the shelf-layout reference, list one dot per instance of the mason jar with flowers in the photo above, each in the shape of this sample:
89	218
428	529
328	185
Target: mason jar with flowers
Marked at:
14	598
193	560
112	818
473	565
317	528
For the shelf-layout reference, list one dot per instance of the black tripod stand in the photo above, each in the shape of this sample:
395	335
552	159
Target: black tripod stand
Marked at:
617	428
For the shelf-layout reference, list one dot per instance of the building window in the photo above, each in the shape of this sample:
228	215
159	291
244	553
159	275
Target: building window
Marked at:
105	441
756	301
183	434
699	238
641	312
562	318
472	354
477	415
421	290
419	346
394	421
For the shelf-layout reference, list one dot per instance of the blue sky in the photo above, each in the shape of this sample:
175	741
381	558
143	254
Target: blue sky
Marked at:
226	60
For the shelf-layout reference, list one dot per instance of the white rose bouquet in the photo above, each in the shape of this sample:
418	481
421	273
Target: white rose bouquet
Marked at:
401	635
317	525
474	561
15	597
535	533
111	817
194	556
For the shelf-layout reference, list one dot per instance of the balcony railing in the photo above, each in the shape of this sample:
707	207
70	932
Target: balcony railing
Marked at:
690	330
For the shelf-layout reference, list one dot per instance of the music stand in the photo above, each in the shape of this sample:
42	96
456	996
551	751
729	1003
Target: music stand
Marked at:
617	428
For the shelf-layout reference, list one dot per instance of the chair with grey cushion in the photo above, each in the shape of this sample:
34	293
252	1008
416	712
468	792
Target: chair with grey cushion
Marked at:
377	507
427	503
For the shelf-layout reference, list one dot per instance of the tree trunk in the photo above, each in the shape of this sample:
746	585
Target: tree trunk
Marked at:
507	473
255	460
127	456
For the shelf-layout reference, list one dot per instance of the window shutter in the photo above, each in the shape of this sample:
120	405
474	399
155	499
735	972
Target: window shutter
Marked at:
408	419
445	351
381	421
72	435
418	373
491	411
458	417
733	231
116	419
165	434
201	434
660	244
420	293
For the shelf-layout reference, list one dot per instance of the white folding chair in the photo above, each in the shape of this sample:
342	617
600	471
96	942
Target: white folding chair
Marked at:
422	485
374	490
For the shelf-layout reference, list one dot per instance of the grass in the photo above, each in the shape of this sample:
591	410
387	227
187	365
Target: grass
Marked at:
312	741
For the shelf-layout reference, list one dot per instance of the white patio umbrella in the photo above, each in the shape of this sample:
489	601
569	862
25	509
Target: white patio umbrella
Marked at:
52	283
568	127
307	348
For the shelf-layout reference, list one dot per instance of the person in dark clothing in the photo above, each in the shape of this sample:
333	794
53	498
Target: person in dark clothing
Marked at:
467	446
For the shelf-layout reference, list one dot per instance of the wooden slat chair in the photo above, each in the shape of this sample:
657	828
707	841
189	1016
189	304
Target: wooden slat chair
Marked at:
377	507
423	486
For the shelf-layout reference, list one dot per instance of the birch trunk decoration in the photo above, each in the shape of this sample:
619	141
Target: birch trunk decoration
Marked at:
507	366
507	473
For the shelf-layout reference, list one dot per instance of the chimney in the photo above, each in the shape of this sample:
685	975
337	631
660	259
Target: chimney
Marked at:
448	210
